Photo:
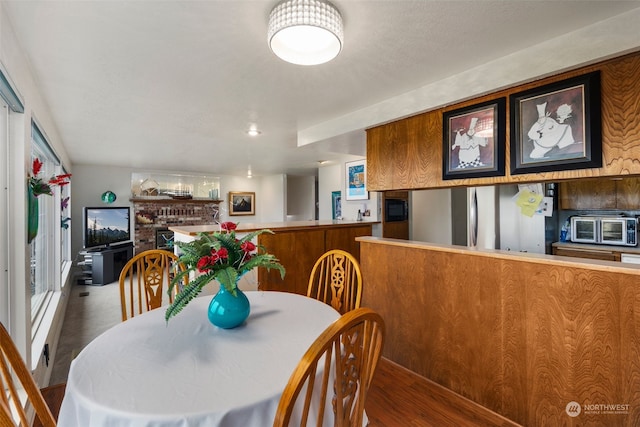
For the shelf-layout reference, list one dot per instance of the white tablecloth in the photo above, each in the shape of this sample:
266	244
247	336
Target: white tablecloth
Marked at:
144	372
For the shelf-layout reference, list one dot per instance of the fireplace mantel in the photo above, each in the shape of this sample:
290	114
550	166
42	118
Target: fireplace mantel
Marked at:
173	200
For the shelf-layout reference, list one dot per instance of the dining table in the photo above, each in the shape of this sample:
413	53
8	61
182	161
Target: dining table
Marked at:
147	372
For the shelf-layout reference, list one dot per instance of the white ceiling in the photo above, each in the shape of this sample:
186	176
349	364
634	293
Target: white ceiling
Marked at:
174	85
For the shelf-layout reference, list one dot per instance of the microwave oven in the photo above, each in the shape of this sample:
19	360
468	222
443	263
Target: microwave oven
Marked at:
396	210
620	231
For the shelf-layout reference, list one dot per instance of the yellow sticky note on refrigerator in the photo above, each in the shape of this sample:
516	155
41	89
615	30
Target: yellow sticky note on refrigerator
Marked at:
528	202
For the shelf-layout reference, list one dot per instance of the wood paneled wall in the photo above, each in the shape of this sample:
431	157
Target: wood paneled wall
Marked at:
520	334
298	250
407	154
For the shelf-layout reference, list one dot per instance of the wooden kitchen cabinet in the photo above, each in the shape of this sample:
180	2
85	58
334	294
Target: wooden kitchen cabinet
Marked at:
628	194
600	194
297	252
394	229
345	239
587	194
603	254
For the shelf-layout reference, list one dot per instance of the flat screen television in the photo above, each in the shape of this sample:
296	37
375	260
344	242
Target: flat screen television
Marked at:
104	226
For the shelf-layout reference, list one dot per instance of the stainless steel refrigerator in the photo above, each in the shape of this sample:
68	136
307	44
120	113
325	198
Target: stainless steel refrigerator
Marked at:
489	217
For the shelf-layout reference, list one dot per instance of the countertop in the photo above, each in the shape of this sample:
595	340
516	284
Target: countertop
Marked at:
604	248
193	230
529	257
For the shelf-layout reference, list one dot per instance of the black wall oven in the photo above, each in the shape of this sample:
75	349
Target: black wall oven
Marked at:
396	210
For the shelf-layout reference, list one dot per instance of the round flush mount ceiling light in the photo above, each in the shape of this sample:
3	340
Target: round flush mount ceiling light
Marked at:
305	32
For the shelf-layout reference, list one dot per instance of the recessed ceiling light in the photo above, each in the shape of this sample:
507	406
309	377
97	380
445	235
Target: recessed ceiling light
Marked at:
253	132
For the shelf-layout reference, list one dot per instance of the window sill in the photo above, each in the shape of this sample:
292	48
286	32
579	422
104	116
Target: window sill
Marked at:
42	327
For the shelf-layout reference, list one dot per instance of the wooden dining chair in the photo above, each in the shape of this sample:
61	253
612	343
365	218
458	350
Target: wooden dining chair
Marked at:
6	419
336	370
15	379
143	279
336	280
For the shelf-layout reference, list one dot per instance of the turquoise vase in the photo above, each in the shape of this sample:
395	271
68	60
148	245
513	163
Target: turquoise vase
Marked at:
227	311
32	216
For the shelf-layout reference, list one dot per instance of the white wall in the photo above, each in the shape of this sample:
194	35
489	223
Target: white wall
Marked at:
264	208
332	178
430	216
329	180
273	196
301	198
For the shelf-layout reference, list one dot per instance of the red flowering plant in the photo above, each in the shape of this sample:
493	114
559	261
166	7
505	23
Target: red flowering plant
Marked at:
39	186
218	256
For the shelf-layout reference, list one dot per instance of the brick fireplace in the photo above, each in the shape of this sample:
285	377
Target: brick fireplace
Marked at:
153	217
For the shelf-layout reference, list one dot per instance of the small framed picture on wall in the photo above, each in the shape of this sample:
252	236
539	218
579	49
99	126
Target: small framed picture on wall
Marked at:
242	203
336	204
356	180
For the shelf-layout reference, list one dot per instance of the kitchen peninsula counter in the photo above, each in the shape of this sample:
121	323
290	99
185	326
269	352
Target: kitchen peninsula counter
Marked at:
194	230
530	257
521	334
297	244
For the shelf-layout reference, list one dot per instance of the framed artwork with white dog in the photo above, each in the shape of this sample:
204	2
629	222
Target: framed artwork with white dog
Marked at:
557	126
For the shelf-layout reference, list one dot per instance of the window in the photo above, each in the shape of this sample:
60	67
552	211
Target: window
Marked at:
50	249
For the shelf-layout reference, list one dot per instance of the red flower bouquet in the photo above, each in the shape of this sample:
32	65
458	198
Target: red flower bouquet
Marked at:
38	186
218	256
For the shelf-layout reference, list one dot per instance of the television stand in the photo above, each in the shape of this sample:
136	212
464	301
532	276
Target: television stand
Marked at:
107	263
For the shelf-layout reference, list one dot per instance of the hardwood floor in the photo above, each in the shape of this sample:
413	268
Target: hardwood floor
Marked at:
401	398
53	396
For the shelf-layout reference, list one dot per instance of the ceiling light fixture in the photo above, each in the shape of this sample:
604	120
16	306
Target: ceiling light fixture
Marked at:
253	132
305	32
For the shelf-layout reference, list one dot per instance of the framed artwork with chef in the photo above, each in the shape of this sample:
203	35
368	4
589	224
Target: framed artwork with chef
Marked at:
557	126
473	141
